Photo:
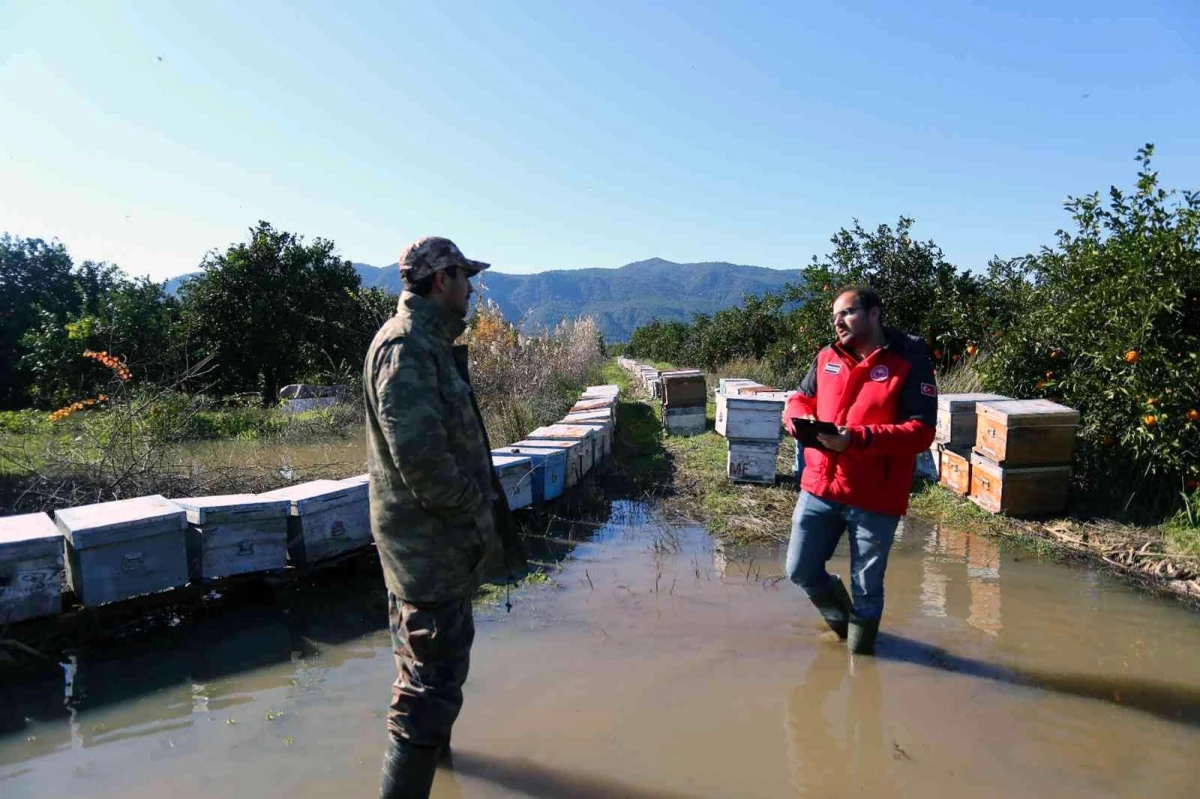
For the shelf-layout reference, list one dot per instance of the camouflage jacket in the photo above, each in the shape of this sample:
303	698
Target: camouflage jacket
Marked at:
432	486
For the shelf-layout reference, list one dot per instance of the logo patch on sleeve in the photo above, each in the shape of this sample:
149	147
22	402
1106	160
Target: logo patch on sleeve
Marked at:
833	368
880	373
929	389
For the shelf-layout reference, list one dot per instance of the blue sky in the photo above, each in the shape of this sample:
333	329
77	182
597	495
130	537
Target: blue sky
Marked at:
544	135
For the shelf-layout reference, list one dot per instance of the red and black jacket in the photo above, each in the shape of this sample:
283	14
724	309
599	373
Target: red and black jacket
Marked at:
889	403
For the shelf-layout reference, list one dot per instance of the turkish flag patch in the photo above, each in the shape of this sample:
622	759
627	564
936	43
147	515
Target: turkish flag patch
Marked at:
929	389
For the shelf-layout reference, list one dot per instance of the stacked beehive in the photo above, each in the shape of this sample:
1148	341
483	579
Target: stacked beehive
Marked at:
684	394
1005	455
954	438
1021	462
748	415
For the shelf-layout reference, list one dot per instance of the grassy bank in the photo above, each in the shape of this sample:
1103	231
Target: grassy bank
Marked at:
690	479
687	473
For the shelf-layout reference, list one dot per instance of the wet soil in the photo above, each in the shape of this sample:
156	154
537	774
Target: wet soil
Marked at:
656	662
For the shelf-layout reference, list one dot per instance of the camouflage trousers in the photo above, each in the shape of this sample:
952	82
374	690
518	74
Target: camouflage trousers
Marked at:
432	645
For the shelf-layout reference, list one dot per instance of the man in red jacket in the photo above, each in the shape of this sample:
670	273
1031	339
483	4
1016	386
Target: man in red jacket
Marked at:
876	386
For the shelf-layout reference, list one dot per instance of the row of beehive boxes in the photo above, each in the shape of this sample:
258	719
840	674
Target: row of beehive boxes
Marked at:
114	551
551	459
749	417
683	393
1005	455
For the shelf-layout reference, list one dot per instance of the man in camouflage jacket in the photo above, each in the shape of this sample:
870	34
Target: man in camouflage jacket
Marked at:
436	505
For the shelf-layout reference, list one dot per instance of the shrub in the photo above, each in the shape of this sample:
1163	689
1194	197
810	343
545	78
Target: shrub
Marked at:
521	381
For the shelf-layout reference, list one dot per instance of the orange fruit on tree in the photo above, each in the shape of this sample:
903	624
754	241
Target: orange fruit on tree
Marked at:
1152	402
1132	356
954	357
1193	415
937	353
1053	353
1150	420
1049	375
1039	385
971	349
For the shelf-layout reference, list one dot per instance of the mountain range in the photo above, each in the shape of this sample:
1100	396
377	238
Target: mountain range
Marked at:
620	299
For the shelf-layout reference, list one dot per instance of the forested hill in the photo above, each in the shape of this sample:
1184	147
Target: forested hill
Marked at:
620	299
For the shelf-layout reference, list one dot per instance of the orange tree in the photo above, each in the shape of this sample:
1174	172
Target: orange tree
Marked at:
922	292
1113	330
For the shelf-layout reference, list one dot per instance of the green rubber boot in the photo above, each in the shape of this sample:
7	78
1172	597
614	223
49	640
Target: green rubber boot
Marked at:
861	639
408	770
835	606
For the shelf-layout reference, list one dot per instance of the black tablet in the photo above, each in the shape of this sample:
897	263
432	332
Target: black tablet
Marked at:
807	429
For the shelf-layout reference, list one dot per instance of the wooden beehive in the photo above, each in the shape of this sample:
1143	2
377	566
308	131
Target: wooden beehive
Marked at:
590	417
956	418
1024	491
123	549
575	451
685	389
955	470
685	421
516	476
31	568
606	390
549	469
752	461
751	418
607	405
589	452
234	534
1026	432
326	518
602	432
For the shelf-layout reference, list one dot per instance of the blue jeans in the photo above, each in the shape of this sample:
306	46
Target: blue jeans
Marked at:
817	525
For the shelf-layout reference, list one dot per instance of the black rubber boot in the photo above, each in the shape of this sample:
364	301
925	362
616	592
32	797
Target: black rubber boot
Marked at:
861	640
408	770
835	606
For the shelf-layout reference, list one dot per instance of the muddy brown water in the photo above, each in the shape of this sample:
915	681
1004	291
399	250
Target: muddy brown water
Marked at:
655	664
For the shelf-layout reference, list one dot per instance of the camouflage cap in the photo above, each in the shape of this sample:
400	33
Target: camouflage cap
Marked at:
431	254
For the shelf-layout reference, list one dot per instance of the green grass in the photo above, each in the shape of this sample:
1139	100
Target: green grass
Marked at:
495	594
689	472
931	501
1183	531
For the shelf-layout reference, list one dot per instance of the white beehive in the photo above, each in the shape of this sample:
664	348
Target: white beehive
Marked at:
31	567
572	449
589	452
685	421
326	518
117	550
235	534
752	461
516	477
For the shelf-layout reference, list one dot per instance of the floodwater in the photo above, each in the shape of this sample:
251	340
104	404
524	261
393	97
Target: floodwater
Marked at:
653	665
291	461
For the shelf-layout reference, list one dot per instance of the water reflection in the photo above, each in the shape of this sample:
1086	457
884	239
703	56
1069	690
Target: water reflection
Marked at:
835	731
225	654
950	552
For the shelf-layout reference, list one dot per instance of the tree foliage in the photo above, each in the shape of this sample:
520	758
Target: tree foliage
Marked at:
1112	328
275	310
269	311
